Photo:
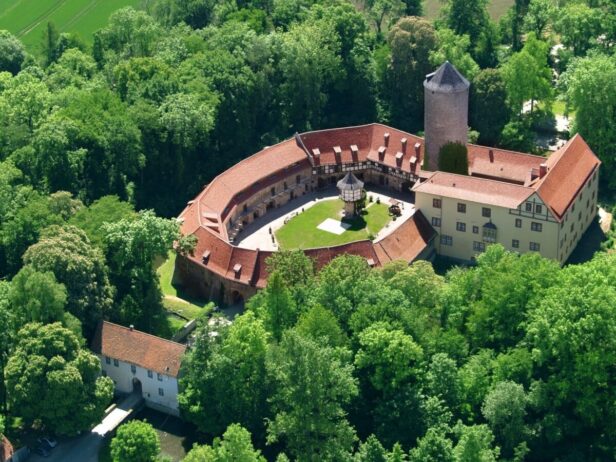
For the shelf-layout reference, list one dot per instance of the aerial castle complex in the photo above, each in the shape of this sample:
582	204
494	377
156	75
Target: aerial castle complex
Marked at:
522	201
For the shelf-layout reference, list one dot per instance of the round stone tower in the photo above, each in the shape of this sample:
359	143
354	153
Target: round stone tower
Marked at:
446	111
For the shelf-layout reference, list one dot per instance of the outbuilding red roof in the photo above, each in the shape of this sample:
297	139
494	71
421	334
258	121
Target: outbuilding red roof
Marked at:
135	347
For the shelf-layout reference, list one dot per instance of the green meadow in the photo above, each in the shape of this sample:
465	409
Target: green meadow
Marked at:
27	18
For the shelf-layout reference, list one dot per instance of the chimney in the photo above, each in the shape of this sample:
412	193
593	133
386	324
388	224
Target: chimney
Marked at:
403	143
543	170
399	157
316	152
491	155
381	153
418	150
206	256
386	138
131	327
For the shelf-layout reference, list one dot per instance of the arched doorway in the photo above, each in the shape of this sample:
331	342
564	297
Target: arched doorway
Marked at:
237	298
137	386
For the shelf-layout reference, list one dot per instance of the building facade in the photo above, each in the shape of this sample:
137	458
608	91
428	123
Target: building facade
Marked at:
525	202
141	363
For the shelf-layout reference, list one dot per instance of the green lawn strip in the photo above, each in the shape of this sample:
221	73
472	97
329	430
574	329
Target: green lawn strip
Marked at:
496	8
301	231
165	274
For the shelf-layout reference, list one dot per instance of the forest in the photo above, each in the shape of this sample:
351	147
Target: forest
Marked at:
102	142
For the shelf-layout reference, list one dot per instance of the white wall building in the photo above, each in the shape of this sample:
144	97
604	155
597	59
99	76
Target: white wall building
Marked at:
141	362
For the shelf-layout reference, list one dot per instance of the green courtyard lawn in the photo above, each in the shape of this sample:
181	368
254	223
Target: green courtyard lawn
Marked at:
180	305
301	231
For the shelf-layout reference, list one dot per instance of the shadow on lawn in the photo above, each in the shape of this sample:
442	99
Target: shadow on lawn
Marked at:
356	222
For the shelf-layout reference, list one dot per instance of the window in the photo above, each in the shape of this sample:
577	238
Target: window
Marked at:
475	229
133	368
534	246
116	363
579	216
486	212
107	359
285	185
529	207
461	207
479	246
446	240
436	203
518	222
515	244
150	374
573	207
436	221
489	232
298	179
534	226
245	208
159	377
104	372
161	392
538	208
273	191
461	226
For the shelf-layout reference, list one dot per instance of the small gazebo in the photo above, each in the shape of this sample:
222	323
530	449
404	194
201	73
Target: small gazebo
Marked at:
351	190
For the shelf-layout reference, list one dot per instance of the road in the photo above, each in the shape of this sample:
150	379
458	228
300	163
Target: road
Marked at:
85	448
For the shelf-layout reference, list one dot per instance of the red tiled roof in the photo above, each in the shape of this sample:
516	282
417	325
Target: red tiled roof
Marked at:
568	170
407	241
135	347
6	449
479	190
502	164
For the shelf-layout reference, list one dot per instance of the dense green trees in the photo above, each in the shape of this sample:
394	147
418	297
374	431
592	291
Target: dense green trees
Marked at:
51	378
135	441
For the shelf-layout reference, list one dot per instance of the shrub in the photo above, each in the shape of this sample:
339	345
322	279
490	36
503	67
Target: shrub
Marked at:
453	158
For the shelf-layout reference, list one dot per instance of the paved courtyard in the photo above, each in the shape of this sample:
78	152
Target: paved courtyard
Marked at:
259	234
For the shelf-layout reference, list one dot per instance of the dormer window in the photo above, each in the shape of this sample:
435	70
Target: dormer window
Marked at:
206	257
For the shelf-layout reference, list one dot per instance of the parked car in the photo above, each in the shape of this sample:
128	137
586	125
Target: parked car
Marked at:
49	441
42	450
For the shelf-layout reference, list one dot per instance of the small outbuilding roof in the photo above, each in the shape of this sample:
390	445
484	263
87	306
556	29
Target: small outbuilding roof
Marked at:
135	347
350	183
446	79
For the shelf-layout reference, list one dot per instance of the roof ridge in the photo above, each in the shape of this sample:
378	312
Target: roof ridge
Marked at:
141	332
477	178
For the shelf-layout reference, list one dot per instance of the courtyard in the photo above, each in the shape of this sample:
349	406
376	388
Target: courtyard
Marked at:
315	220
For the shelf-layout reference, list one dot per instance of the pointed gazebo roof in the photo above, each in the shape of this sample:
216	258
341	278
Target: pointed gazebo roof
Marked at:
350	183
446	79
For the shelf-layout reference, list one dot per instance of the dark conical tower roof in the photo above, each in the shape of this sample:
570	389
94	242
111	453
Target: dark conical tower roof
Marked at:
446	79
350	183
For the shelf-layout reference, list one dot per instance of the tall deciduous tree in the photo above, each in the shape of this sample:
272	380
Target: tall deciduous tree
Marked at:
225	379
67	253
411	40
135	441
488	108
50	377
505	409
131	247
591	88
527	75
12	52
313	384
234	446
37	297
466	17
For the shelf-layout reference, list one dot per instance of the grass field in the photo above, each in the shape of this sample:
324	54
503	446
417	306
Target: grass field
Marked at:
28	18
301	231
179	304
497	8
